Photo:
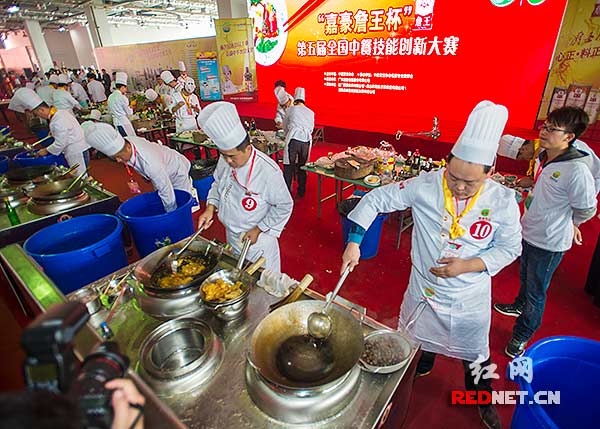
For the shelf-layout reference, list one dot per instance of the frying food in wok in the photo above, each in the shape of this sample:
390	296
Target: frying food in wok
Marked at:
188	268
221	290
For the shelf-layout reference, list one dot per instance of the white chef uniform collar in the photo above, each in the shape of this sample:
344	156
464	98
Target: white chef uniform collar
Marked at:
53	79
95	115
478	142
24	99
151	94
181	66
510	145
282	96
121	78
221	122
299	94
189	85
167	77
104	138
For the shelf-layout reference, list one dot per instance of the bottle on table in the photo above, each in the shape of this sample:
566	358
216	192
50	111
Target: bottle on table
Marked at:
11	213
416	165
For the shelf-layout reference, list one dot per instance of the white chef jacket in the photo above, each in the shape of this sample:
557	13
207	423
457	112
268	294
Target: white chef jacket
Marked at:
166	168
163	89
456	320
280	114
560	187
69	139
118	107
97	91
267	204
594	162
79	93
184	120
63	100
46	93
299	123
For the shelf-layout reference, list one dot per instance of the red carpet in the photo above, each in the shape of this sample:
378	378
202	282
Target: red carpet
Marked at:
312	245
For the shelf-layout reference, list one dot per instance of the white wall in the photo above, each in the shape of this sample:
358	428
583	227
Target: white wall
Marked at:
15	56
131	34
61	48
82	44
16	40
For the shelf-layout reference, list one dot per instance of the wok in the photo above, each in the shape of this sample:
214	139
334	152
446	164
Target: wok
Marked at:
54	190
26	174
346	342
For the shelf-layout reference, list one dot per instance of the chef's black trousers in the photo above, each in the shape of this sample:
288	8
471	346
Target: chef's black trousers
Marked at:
428	359
592	285
298	155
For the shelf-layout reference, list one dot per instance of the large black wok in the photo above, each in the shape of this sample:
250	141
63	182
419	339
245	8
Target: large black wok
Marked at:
345	342
26	174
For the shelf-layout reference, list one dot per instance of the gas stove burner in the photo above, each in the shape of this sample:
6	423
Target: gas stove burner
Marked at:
180	355
47	207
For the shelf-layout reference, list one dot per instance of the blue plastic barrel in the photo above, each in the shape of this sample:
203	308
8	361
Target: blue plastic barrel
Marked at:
203	186
3	164
370	243
153	228
24	159
571	366
79	251
43	133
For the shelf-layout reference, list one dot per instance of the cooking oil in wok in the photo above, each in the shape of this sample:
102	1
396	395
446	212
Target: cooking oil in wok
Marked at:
305	359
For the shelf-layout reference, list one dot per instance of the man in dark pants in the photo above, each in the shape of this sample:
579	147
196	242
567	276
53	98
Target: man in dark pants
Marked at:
298	126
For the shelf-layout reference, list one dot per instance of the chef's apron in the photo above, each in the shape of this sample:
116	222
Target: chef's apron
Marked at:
124	122
187	123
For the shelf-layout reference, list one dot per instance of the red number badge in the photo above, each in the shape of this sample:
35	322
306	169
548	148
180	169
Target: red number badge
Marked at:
249	204
481	229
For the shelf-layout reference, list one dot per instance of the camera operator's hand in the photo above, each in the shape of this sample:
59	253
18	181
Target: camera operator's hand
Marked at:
127	403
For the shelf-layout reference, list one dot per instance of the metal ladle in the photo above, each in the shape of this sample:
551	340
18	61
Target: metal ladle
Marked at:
173	257
319	323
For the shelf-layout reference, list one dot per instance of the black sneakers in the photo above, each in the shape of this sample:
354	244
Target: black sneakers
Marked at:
508	309
489	416
515	348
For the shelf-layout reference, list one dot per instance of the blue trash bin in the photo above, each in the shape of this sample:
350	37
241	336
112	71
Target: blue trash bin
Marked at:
203	186
79	251
41	133
153	228
571	366
370	242
24	159
3	164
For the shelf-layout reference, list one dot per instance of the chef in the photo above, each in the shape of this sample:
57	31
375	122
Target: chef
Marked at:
249	191
63	100
466	230
185	107
166	168
298	125
118	106
68	134
182	73
46	92
284	100
159	101
96	89
161	88
79	94
169	80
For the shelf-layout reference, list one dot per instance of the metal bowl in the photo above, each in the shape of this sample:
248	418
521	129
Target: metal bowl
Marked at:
234	308
404	348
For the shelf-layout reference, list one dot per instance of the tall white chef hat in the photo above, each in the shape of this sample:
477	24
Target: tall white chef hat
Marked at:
151	94
104	138
24	99
121	78
189	85
181	66
95	115
167	77
478	141
63	79
299	94
510	145
221	122
282	96
53	78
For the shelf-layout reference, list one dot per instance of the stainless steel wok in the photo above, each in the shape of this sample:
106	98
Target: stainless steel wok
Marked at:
54	190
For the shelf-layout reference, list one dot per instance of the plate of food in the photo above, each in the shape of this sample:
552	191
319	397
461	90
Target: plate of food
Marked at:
372	180
385	351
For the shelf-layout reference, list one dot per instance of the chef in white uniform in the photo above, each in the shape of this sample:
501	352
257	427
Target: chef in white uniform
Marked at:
96	89
249	191
185	107
182	73
63	100
169	80
160	101
284	100
466	229
166	168
79	94
118	106
68	134
46	92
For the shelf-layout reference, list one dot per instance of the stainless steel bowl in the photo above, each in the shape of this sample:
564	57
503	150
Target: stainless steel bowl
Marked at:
404	348
234	308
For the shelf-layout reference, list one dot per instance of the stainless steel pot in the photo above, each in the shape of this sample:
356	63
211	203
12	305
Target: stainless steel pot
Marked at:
55	190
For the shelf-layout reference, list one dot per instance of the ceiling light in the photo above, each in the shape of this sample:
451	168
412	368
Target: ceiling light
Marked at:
169	6
13	8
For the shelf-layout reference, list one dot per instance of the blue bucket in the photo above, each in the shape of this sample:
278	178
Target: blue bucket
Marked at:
24	159
3	164
370	243
79	251
203	186
43	133
153	228
571	366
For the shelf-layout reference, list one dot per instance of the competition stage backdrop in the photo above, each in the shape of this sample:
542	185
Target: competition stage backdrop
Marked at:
385	65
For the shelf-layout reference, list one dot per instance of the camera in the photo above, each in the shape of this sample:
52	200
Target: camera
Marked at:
51	364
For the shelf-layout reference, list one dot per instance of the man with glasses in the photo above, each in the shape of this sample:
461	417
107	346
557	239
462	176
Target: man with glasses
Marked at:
563	197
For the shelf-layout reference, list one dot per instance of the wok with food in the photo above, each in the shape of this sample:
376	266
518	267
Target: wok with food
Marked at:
189	268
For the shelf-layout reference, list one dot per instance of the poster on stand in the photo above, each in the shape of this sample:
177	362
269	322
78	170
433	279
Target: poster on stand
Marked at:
208	78
235	54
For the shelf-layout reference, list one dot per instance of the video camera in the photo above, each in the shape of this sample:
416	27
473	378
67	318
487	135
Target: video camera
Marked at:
51	363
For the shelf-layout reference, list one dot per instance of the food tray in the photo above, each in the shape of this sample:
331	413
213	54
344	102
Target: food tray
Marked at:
345	170
404	349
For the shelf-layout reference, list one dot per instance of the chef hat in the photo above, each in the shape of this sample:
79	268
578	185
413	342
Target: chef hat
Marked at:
299	94
510	145
282	96
104	138
151	94
63	79
181	66
53	79
189	84
24	99
221	122
121	78
88	124
478	141
95	115
167	77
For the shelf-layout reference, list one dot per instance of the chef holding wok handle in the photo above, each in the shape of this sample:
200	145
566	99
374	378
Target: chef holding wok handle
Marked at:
466	229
